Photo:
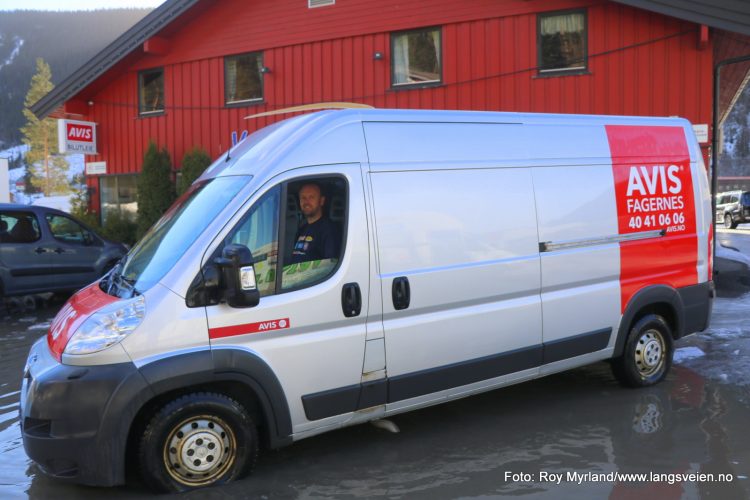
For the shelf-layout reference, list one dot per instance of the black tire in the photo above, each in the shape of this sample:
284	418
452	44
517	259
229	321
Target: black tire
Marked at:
729	221
197	440
648	352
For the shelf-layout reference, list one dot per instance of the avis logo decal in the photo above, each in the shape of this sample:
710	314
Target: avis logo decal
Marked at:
261	327
660	180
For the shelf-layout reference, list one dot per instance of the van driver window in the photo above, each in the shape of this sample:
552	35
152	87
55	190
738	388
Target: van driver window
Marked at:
316	210
313	222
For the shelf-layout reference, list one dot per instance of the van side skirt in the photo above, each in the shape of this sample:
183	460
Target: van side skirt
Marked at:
393	389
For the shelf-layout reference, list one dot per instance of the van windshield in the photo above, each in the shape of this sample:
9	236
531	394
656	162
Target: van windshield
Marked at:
170	237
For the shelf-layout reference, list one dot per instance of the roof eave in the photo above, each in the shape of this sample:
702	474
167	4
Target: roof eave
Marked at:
111	55
727	22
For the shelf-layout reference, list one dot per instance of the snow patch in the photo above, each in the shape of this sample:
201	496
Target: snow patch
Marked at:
17	44
76	163
685	353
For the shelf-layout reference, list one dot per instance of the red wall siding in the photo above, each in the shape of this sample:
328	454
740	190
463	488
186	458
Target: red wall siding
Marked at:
639	63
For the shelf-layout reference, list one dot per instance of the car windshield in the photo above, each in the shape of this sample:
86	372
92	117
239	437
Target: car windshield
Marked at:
170	237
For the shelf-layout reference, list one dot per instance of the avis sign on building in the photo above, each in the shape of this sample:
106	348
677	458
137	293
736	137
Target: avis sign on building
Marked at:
76	137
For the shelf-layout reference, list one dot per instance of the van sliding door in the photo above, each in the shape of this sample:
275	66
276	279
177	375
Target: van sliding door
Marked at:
459	269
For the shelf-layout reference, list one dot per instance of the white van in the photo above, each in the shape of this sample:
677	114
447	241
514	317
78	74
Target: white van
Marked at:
434	255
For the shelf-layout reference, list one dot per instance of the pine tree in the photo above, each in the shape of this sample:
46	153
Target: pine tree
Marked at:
155	189
193	164
48	170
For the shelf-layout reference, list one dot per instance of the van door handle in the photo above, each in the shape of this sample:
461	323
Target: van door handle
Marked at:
59	250
351	300
401	293
40	250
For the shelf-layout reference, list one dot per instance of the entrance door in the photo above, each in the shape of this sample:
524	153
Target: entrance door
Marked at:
313	275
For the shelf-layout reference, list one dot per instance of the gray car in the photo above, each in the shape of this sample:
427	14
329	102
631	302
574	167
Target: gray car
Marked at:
46	250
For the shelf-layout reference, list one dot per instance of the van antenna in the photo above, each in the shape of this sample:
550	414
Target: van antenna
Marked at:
313	107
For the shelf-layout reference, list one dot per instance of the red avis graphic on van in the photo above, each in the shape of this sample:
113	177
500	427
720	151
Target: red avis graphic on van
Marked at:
77	310
654	191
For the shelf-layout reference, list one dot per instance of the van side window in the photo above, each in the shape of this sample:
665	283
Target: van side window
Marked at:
259	231
19	227
314	230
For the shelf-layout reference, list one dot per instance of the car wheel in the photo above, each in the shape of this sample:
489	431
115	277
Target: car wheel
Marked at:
197	440
729	221
648	352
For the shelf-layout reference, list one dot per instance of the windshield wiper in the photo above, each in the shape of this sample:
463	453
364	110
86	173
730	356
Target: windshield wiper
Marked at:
130	282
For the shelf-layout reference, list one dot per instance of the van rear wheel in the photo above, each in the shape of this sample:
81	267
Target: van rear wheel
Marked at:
648	352
197	440
729	221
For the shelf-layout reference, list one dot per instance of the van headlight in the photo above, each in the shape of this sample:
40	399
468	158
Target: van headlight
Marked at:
107	327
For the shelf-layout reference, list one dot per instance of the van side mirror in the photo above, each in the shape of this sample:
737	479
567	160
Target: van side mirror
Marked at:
238	276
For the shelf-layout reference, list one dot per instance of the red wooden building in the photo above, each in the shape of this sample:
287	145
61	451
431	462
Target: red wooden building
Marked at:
190	72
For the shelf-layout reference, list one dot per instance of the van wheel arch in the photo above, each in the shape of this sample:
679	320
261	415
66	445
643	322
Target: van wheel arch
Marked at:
229	387
198	439
660	300
237	374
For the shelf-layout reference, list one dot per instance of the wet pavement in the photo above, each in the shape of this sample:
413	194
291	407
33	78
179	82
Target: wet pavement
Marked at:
510	442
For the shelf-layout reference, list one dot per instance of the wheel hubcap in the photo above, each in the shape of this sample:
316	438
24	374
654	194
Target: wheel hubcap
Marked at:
199	450
649	353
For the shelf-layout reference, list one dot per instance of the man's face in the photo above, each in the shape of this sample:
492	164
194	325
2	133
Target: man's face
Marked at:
311	201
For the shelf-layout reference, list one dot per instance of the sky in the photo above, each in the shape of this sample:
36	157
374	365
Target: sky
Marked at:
75	4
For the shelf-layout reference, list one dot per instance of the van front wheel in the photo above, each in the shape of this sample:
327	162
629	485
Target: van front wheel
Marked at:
197	440
648	352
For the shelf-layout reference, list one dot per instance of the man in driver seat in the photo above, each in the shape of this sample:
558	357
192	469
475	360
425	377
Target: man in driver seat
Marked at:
318	238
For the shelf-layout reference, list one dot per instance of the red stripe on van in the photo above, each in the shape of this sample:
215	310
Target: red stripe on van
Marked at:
654	190
263	326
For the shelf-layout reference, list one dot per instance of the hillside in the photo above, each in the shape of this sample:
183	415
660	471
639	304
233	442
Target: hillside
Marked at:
66	40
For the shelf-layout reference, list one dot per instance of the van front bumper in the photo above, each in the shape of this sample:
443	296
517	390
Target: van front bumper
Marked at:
75	419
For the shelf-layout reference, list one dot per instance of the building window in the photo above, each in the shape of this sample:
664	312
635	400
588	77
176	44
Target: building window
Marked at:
416	57
243	79
561	42
118	196
151	91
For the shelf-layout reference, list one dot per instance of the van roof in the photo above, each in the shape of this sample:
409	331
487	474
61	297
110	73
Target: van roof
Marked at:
336	136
